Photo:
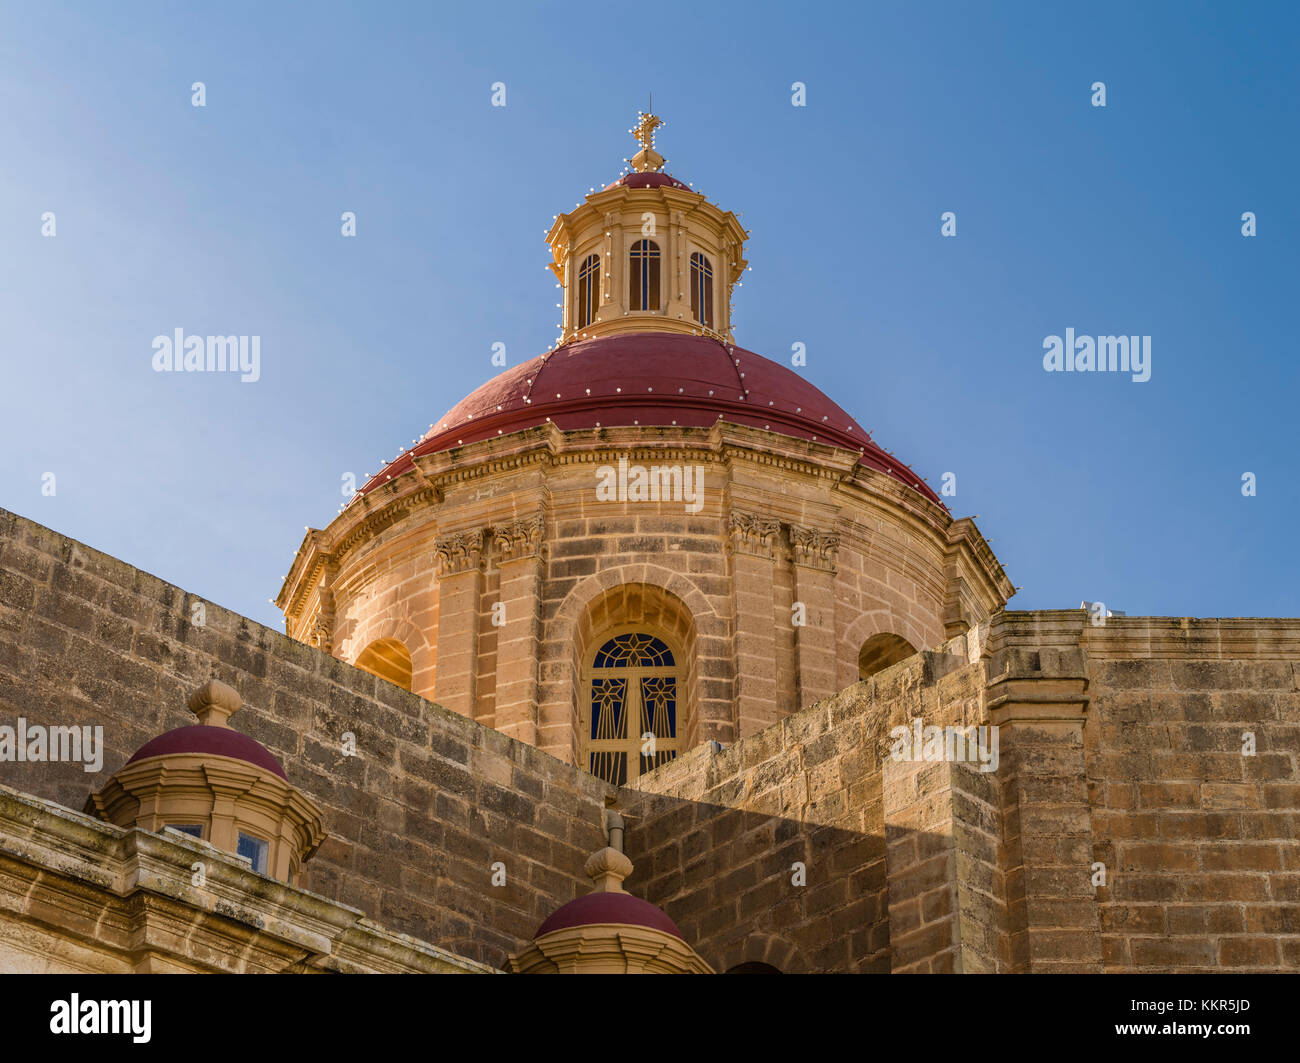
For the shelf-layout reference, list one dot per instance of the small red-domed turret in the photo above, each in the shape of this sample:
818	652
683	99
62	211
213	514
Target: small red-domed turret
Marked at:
213	703
609	931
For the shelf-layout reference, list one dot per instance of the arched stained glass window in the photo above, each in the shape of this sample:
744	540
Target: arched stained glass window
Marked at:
632	680
702	289
588	290
643	275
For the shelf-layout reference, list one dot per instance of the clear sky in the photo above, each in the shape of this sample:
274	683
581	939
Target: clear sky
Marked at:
225	219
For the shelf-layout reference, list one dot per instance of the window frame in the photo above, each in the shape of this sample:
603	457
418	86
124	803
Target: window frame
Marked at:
265	850
640	256
631	742
587	293
701	277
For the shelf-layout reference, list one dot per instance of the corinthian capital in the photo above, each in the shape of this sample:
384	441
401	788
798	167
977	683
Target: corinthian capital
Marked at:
520	538
459	552
813	547
752	534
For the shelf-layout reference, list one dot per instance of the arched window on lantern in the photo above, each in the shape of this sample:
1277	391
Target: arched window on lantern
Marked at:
643	274
632	686
702	289
588	290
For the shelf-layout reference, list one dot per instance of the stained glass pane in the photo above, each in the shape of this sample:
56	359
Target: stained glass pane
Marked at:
659	706
644	275
634	649
612	767
608	696
588	290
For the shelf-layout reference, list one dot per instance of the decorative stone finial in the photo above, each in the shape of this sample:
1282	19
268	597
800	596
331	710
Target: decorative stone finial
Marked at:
214	703
647	159
607	868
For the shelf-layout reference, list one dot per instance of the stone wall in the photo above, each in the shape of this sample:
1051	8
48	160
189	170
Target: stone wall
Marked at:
1203	842
415	821
1123	830
715	836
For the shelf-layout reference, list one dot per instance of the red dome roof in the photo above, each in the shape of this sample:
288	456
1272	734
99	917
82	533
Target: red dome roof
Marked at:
608	907
647	180
650	379
218	741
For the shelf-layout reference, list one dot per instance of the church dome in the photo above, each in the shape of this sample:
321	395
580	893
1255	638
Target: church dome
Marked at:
214	741
651	379
645	479
213	703
647	180
602	908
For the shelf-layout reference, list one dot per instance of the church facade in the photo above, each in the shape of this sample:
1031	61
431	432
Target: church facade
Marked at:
645	657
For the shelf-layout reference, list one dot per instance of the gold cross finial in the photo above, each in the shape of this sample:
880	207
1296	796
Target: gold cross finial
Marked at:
647	158
645	130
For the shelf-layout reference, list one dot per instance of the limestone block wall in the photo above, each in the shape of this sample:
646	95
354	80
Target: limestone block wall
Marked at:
715	837
1202	841
1123	746
1125	828
415	821
499	566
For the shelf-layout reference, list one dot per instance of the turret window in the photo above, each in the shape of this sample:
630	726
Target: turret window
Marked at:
702	290
588	290
644	275
632	707
253	848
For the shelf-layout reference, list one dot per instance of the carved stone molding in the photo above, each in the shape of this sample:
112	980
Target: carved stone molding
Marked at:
813	547
752	534
520	538
459	552
322	633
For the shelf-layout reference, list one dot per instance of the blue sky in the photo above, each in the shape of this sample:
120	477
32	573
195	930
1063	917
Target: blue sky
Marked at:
225	220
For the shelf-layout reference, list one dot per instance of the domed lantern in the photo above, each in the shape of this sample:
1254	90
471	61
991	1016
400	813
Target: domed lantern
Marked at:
647	252
216	784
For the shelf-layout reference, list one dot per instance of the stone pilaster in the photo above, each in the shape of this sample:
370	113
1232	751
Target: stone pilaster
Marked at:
460	586
813	554
1037	698
521	561
753	547
322	633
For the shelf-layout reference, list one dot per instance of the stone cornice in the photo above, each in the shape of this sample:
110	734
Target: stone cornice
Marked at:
237	920
372	515
1149	637
1030	680
547	446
